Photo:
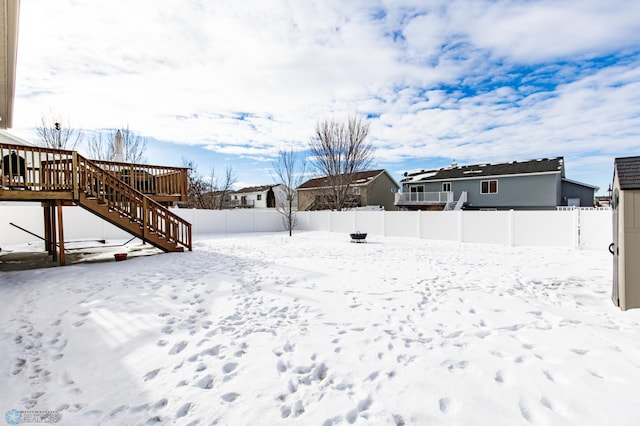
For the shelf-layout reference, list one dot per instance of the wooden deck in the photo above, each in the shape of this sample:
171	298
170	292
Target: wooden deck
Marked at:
133	197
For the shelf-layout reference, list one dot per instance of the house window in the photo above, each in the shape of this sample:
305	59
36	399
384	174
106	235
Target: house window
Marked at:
416	193
489	187
259	197
446	186
356	190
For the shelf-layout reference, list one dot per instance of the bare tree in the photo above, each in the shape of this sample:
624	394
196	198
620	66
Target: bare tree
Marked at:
229	179
339	151
210	192
101	145
56	133
196	186
289	172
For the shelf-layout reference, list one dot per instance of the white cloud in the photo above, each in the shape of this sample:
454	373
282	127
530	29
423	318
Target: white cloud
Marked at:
443	76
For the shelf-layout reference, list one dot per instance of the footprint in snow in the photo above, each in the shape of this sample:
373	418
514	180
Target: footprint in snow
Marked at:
444	404
179	347
151	374
229	367
580	351
230	397
206	382
160	404
139	408
184	410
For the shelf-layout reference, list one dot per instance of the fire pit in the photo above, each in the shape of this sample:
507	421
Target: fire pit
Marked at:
358	237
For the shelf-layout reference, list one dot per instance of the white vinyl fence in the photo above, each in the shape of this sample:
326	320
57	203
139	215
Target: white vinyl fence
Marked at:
578	228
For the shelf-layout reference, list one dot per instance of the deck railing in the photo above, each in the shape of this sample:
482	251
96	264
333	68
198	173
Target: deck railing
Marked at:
35	168
119	196
31	168
408	198
154	180
44	169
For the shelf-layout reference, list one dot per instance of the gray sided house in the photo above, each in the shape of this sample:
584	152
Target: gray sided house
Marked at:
519	185
369	188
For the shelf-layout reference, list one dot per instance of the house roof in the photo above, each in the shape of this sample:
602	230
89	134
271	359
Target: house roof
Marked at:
542	165
628	171
360	179
586	185
249	189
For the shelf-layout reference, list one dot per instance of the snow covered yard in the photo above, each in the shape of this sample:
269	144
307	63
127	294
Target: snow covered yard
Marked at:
263	329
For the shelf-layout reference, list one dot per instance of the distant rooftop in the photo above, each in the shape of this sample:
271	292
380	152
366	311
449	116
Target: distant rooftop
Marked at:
542	165
360	178
250	189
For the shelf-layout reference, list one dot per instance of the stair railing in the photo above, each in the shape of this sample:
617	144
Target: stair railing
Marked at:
128	202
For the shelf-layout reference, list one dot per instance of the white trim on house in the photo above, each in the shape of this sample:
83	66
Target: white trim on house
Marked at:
581	183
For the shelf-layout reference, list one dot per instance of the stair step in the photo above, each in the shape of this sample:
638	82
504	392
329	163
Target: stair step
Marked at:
118	213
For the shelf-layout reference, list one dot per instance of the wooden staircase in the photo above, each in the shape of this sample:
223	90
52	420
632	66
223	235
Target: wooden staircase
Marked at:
55	177
105	195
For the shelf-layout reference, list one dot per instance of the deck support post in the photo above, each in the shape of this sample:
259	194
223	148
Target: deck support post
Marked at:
54	236
60	232
47	227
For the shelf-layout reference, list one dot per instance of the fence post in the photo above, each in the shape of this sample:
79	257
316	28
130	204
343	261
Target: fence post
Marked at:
460	226
510	231
576	228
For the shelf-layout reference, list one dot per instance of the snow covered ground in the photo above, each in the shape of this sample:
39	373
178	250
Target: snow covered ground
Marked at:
263	329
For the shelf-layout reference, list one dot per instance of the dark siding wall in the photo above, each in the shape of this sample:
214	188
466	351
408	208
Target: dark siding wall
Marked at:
572	190
379	192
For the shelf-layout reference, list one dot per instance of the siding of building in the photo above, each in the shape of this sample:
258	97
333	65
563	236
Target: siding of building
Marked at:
379	193
573	190
529	192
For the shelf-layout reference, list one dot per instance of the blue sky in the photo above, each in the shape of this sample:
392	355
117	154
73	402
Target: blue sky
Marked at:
232	82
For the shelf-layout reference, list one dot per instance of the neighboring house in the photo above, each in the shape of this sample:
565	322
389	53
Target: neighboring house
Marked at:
369	188
519	185
265	196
